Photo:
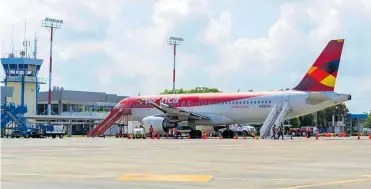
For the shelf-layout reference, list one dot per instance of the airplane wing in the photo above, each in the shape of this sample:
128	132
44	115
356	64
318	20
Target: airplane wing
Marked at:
172	111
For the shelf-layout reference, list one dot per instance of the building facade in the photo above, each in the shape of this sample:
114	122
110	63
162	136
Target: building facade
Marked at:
75	103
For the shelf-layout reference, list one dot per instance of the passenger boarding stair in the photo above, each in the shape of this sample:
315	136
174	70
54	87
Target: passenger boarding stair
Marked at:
275	117
114	115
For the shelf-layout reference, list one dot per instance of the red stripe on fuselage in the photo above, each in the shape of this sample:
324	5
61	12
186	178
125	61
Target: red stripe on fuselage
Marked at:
187	100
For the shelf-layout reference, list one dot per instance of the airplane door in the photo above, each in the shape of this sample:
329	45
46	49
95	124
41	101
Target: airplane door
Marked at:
285	96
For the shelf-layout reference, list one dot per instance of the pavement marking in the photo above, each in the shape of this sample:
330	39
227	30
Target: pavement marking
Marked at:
329	183
60	175
168	178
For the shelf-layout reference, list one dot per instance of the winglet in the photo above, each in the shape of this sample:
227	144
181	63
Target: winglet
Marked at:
323	73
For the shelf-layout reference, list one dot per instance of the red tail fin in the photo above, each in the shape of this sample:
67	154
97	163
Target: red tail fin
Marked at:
322	75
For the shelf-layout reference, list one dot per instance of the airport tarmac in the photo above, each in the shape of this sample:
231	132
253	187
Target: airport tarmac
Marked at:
167	163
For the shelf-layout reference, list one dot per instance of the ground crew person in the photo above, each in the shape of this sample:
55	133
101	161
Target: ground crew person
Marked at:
151	130
274	132
280	133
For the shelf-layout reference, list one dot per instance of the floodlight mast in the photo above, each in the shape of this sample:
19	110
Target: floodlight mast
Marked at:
174	42
51	24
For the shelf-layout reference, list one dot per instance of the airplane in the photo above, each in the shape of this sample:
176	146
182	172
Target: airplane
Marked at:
314	92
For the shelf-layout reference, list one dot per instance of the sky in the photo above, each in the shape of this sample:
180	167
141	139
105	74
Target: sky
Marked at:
120	46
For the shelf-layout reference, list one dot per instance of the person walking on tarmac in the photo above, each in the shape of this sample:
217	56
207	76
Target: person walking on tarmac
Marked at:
280	132
274	132
151	130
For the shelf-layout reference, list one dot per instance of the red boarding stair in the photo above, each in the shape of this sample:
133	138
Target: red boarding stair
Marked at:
114	115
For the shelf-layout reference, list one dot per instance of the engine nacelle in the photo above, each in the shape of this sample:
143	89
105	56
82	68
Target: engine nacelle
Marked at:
159	124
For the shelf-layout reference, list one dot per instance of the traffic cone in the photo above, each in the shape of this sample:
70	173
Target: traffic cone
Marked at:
359	137
220	137
235	137
369	136
317	135
189	136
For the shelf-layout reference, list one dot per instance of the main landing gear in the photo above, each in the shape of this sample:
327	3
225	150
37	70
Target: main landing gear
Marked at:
195	134
228	134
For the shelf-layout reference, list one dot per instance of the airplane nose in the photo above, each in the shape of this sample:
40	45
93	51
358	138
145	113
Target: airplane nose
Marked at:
349	97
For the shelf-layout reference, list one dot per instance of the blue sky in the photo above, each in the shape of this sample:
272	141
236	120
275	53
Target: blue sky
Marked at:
119	46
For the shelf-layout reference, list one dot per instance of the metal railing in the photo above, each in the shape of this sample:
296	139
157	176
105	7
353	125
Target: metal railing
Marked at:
28	79
268	121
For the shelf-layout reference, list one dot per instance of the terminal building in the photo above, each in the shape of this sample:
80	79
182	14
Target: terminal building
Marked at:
82	109
23	105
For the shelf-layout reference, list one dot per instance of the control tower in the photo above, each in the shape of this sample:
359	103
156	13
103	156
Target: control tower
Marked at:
21	72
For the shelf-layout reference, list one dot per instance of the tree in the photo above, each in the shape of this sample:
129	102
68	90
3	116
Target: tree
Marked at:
295	122
195	90
306	120
367	124
325	116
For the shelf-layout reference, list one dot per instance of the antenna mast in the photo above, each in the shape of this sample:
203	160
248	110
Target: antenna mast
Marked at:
25	42
12	46
35	47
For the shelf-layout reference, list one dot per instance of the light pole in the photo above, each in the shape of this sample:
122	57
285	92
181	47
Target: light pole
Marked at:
174	42
51	24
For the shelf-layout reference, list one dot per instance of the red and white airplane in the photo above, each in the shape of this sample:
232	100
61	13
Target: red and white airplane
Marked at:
314	92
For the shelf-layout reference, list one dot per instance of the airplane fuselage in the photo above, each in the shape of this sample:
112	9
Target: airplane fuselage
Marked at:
234	108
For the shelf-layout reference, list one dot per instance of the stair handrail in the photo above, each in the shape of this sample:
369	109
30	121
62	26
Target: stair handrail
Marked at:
268	121
98	125
108	122
281	115
104	122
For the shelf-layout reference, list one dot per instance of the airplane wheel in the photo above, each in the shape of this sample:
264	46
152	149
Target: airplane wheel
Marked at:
231	134
227	134
199	133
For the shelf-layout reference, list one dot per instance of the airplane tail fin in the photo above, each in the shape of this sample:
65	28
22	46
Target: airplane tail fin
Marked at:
323	73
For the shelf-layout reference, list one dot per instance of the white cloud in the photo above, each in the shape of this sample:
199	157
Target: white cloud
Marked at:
139	60
218	30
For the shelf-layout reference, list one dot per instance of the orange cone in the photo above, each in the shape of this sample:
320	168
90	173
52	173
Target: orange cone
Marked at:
369	136
317	135
359	137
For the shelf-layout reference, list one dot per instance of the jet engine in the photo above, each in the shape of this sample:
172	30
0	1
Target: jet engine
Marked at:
159	124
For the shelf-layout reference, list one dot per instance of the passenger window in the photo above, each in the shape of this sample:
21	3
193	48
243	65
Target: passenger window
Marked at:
244	102
258	102
266	102
254	102
269	101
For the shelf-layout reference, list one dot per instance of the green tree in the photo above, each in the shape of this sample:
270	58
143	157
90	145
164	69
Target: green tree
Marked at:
294	122
325	116
195	90
307	120
368	122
